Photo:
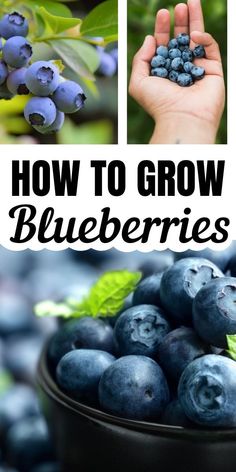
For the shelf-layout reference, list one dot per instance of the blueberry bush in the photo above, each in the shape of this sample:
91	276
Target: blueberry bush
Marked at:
141	18
58	71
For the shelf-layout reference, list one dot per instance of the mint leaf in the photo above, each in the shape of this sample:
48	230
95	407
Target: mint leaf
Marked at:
106	298
108	295
231	341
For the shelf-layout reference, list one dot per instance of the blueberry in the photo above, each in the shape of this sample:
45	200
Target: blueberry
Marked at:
188	67
21	356
180	284
17	52
207	391
197	73
174	415
168	64
17	403
40	111
183	39
134	387
162	51
1	44
16	82
178	349
78	372
173	75
15	315
185	80
55	127
69	97
140	329
3	72
160	72
42	78
219	258
187	55
114	54
177	64
28	444
158	61
214	311
199	52
108	64
173	53
148	291
173	44
13	24
85	333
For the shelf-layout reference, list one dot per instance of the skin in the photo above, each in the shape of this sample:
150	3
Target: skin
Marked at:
197	109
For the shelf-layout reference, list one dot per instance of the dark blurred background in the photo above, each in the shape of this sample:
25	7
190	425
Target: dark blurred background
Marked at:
141	19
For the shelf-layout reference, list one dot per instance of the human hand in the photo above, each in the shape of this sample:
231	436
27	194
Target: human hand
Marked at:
184	115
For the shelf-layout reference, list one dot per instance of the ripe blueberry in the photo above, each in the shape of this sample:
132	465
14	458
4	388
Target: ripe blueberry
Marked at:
183	39
158	61
40	111
160	72
197	73
42	78
69	97
173	53
162	51
177	63
17	52
3	72
199	52
55	127
185	80
16	82
13	24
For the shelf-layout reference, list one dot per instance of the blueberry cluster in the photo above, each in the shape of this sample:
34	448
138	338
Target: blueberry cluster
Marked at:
53	96
175	62
165	358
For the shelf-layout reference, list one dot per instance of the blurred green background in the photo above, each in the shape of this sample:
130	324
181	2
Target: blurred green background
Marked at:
141	19
96	123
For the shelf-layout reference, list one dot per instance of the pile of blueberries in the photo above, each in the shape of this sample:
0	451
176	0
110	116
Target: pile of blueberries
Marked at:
53	96
175	62
164	358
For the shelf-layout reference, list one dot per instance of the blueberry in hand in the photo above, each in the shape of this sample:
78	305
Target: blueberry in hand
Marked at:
69	97
214	311
148	291
168	64
197	73
173	53
85	333
180	284
3	72
42	78
174	415
162	51
199	52
178	349
187	68
160	72
185	80
173	75
13	24
177	64
183	39
16	82
187	55
40	111
54	127
140	329
78	372
207	391
17	52
134	387
158	61
173	44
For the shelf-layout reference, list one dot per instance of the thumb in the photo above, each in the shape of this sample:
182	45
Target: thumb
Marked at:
141	62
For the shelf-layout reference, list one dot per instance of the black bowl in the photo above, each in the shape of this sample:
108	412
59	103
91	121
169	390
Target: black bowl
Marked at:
89	440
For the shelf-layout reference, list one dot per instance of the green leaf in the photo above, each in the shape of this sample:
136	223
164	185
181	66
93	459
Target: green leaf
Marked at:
56	24
81	57
108	295
102	21
231	341
53	7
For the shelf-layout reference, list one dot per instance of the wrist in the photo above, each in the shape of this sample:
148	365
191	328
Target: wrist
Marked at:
177	128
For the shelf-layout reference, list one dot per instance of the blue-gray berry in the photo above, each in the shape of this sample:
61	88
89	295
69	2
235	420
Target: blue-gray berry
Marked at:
158	61
173	53
160	72
42	78
188	67
197	73
17	52
55	127
177	64
199	52
168	64
13	24
183	39
40	111
185	80
3	72
187	55
69	97
162	51
16	82
173	44
173	76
